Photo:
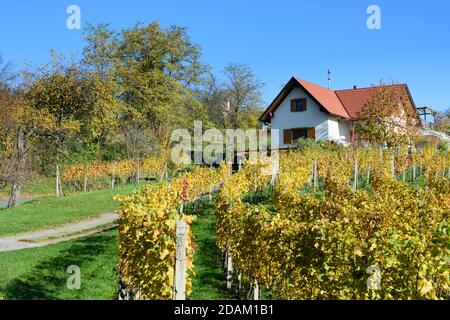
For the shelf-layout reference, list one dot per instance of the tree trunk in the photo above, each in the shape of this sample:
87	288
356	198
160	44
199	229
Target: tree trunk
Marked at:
17	182
15	193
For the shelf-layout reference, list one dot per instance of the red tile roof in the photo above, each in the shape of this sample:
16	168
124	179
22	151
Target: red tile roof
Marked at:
354	99
327	98
343	103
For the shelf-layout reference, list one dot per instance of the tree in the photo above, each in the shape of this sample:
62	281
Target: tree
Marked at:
6	74
388	117
155	70
100	51
20	125
214	97
443	122
235	101
243	91
83	104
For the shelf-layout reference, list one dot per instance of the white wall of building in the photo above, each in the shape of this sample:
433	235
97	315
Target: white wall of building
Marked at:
333	129
345	127
339	130
327	127
285	119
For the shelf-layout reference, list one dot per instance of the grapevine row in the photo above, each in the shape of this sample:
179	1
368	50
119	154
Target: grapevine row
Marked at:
147	231
330	243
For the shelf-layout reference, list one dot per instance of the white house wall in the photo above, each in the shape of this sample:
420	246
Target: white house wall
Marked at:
345	127
339	130
311	118
333	129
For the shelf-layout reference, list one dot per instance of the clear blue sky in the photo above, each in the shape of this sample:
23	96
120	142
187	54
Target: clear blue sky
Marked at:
279	39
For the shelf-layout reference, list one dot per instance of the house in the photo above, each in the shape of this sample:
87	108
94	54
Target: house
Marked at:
305	110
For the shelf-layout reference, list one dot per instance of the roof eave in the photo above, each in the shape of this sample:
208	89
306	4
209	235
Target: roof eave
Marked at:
274	105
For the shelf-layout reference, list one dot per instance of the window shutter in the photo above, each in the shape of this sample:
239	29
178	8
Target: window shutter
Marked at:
293	106
304	104
312	133
288	136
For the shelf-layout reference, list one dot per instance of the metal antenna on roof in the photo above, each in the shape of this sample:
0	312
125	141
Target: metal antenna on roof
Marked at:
329	79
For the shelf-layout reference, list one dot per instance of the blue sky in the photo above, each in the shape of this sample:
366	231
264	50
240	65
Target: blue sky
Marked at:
279	39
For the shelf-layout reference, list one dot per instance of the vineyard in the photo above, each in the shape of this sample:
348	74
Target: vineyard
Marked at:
98	175
147	231
330	223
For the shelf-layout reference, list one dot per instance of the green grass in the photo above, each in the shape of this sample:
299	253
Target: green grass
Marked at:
209	282
37	187
43	186
51	211
40	273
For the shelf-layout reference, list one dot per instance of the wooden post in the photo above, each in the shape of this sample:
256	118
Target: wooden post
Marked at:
239	284
179	287
368	176
315	179
224	258
414	172
57	180
393	167
85	183
138	171
381	156
162	173
229	271
276	169
421	167
355	180
256	291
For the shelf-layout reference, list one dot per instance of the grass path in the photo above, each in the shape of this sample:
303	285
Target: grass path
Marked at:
41	273
209	281
63	233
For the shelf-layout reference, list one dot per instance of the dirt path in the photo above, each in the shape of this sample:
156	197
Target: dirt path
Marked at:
58	234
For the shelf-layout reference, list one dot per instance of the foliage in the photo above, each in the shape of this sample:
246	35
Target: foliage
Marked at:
388	116
235	102
147	232
126	168
443	122
309	247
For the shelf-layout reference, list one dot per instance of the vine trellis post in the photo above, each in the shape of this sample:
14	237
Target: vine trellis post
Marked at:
393	166
179	287
355	180
315	178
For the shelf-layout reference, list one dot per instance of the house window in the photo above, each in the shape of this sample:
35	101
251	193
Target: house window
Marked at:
298	105
291	135
299	133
